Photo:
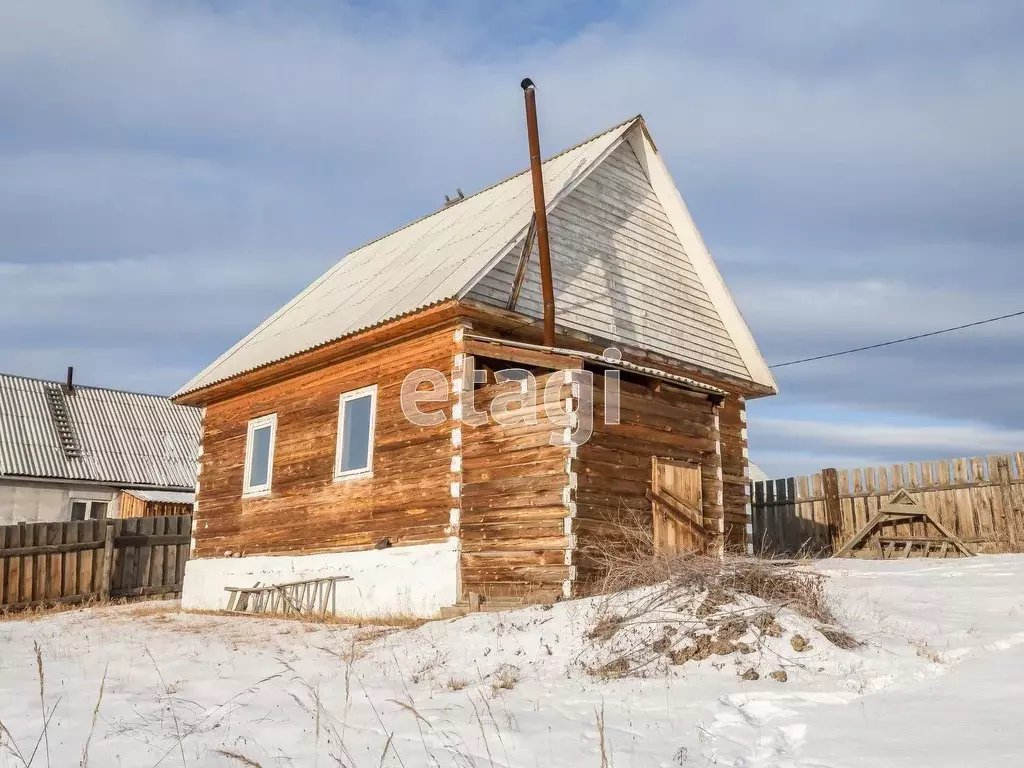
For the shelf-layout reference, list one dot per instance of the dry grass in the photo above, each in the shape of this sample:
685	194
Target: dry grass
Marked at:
840	638
504	678
631	561
690	607
456	684
925	651
10	747
163	609
238	757
372	625
45	610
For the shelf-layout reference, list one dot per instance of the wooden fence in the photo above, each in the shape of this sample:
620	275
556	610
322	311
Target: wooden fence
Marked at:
981	499
48	563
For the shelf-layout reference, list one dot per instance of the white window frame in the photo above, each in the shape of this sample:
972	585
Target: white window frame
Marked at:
248	490
88	508
367	471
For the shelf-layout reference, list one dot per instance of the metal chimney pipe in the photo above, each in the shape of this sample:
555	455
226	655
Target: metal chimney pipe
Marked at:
540	209
71	378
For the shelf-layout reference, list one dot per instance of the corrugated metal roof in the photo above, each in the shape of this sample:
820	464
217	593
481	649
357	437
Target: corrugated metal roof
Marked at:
424	263
125	438
164	497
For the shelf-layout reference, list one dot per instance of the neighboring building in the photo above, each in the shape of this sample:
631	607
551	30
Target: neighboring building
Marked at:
755	473
136	502
311	467
67	452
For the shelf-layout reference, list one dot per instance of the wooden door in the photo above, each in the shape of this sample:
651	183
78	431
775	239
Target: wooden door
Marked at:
676	506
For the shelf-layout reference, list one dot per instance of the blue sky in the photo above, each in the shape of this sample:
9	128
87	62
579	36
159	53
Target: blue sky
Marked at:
171	173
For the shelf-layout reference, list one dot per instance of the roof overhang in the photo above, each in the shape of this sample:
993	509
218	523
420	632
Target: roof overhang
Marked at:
563	358
119	485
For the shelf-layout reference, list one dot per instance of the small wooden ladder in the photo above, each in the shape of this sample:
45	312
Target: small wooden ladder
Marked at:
309	597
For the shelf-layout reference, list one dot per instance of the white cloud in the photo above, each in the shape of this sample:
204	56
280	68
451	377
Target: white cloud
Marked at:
947	439
171	173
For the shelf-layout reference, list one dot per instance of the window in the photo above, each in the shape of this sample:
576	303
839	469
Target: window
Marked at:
259	455
88	510
356	417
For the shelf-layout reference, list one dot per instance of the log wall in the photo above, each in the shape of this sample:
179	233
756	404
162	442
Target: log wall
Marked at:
613	468
514	503
407	500
525	511
732	417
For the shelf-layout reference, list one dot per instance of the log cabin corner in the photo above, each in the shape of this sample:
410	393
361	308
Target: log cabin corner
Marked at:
314	464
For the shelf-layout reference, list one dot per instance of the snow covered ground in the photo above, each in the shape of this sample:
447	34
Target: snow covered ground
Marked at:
939	683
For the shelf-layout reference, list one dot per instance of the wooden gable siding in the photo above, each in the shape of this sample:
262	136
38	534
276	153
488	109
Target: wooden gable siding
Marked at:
620	272
514	505
613	469
407	500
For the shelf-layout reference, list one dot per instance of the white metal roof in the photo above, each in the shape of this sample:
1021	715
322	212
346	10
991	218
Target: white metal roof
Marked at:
447	254
124	438
424	263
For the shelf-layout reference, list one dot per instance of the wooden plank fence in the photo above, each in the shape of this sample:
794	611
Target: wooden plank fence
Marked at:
77	561
981	499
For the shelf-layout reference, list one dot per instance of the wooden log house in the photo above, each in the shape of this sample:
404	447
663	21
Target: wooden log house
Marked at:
311	467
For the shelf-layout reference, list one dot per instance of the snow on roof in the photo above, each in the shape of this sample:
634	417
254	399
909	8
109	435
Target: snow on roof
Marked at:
422	264
121	438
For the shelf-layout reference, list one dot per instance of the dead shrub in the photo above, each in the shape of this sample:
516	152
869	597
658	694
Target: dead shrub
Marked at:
613	670
704	599
605	628
628	559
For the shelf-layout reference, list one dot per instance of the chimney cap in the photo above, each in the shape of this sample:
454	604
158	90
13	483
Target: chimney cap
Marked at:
527	84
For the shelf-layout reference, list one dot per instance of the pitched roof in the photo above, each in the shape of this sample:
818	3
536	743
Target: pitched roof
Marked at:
98	435
447	254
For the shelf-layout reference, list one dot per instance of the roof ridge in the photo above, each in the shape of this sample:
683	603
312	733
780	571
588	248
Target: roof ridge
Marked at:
489	187
83	386
345	260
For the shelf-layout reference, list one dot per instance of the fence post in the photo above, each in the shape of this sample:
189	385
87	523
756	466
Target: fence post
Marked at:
833	511
1006	497
108	561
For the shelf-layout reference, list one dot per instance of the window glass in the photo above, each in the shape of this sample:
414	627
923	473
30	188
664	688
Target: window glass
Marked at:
99	510
78	509
355	439
259	461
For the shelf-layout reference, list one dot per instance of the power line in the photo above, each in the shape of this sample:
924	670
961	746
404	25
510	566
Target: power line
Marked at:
899	341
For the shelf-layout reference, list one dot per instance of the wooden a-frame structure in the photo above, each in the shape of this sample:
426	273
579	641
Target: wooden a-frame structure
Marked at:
902	507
